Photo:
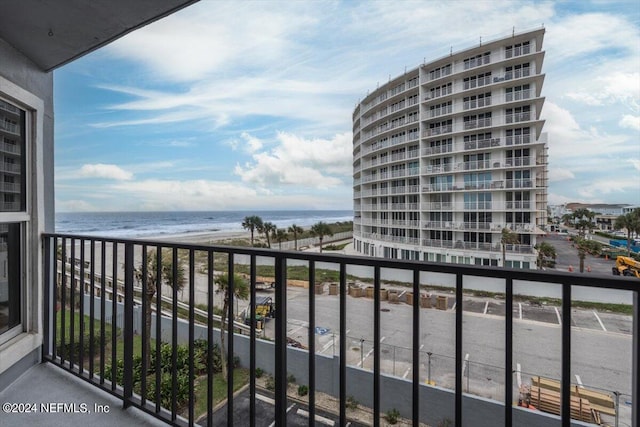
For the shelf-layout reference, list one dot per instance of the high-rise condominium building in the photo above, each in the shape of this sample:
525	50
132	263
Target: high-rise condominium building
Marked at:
449	156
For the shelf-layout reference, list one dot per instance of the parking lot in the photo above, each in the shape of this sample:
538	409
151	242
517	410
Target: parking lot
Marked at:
601	339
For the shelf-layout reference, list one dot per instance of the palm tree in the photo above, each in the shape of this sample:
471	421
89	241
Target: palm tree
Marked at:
279	235
252	223
631	222
581	245
268	228
295	230
320	230
240	291
545	250
583	220
152	283
508	238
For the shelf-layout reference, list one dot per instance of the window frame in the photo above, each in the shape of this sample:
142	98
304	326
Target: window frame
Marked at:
26	336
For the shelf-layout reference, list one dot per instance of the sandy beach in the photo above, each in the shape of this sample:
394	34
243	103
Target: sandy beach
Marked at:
202	238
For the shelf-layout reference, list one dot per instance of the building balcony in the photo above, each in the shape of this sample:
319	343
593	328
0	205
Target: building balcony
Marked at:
96	344
10	148
9	127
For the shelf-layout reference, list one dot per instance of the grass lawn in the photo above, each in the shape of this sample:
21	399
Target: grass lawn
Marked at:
240	376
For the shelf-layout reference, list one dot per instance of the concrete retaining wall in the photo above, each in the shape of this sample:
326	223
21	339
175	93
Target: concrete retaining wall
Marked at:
436	404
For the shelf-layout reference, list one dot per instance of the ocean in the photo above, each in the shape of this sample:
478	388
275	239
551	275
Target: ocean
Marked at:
144	224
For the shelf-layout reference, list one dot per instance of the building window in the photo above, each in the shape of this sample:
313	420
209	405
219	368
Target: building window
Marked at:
517	49
518	136
436	73
12	154
10	277
477	60
13	207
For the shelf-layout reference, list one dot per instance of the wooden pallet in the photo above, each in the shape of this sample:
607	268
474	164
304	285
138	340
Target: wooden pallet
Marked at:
601	402
549	401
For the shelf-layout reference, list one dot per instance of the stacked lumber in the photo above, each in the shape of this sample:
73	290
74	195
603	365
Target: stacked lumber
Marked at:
601	402
549	401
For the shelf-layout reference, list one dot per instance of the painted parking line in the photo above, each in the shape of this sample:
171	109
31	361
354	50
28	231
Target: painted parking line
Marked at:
520	309
288	409
327	345
319	419
579	381
453	307
486	306
368	354
265	399
406	372
558	315
518	375
599	321
294	331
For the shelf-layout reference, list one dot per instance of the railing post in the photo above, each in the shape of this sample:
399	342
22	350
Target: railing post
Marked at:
565	385
376	346
343	344
635	354
458	397
230	334
128	325
312	342
252	342
48	301
281	343
416	348
508	357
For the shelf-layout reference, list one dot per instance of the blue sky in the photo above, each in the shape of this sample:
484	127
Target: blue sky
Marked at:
247	105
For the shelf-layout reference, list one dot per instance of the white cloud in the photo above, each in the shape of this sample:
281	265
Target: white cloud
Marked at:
556	175
588	33
215	195
570	144
629	121
610	88
245	71
599	187
100	170
75	206
253	144
207	38
316	163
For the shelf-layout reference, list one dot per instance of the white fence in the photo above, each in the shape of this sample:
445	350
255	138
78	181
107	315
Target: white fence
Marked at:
311	241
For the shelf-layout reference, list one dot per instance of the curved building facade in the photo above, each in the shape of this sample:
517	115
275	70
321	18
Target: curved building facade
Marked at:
450	154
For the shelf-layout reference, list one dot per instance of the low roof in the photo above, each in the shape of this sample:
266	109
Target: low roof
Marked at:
54	32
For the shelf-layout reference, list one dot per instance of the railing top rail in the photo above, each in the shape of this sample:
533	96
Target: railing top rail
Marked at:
559	277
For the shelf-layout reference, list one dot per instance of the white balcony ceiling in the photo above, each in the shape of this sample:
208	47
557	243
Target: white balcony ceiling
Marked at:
54	32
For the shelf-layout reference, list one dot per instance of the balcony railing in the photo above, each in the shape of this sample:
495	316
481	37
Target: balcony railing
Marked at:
94	317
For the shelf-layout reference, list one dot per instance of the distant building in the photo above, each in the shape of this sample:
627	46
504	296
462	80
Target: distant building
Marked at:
449	154
606	214
599	208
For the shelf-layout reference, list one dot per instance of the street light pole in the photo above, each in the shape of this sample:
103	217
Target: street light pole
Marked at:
429	367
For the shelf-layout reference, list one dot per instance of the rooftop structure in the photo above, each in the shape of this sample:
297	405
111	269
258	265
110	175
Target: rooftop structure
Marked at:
450	154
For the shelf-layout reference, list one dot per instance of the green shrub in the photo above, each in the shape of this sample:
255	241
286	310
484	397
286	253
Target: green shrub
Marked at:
351	403
259	373
270	383
392	416
291	379
303	390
